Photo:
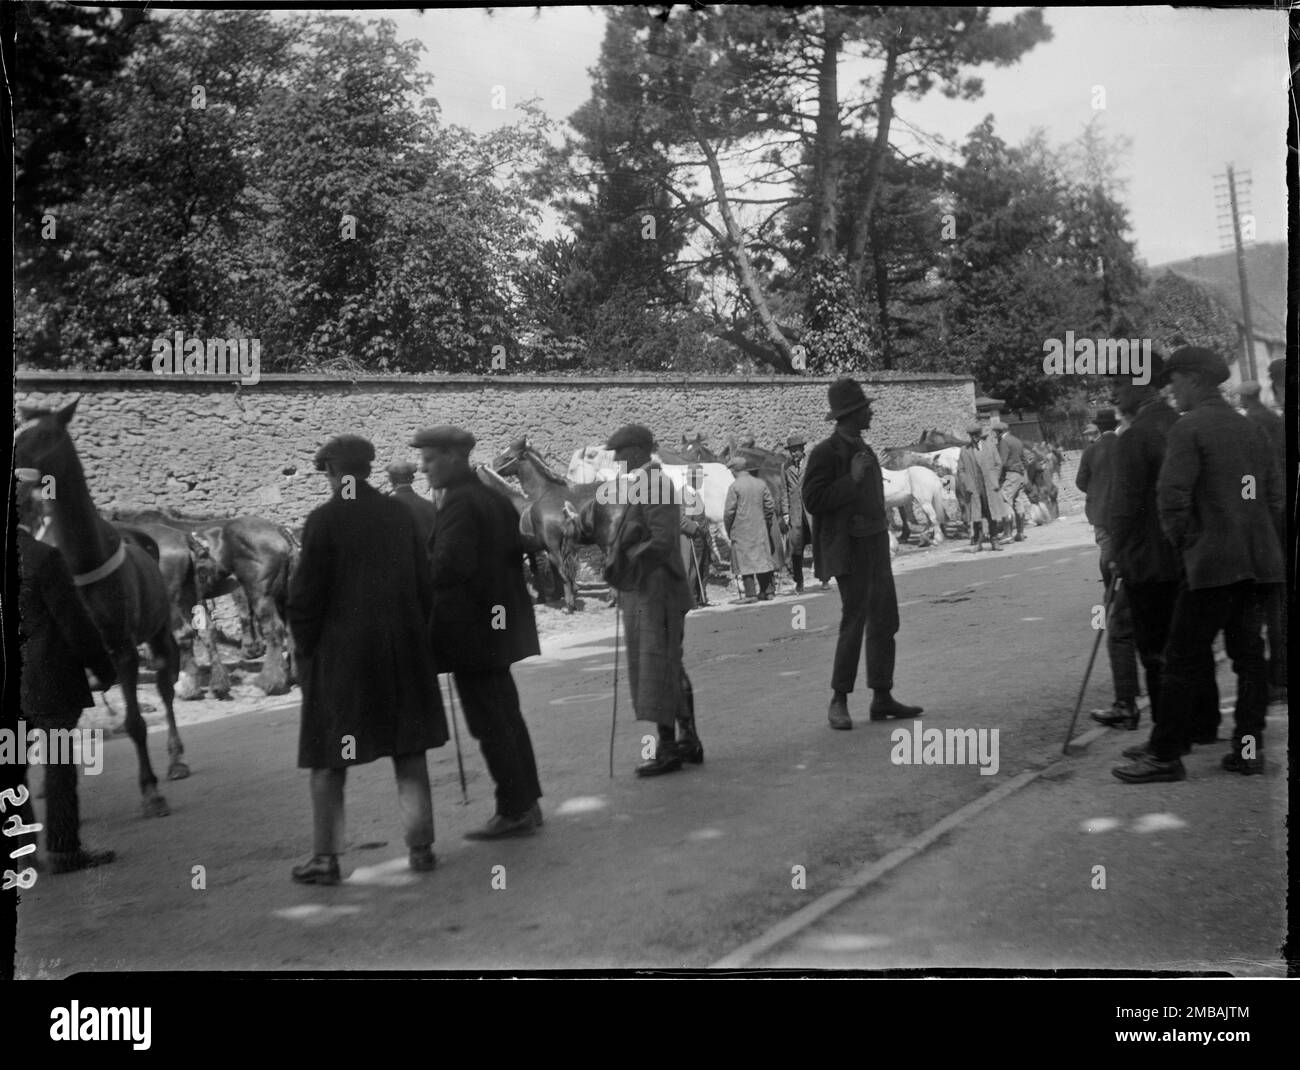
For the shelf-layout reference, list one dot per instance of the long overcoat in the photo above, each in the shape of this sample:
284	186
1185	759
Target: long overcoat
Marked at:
799	535
978	471
482	613
748	517
359	605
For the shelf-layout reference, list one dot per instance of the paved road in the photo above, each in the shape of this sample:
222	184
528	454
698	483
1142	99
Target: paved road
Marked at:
669	872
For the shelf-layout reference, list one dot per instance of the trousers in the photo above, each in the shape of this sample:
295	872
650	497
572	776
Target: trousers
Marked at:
1275	614
1120	647
654	633
1013	493
62	810
868	608
1198	616
1151	607
413	796
492	713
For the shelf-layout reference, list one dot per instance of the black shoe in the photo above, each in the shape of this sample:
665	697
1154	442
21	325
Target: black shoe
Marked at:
667	759
691	750
798	588
322	869
838	714
1120	715
500	827
883	711
1235	763
536	814
422	859
1149	770
71	861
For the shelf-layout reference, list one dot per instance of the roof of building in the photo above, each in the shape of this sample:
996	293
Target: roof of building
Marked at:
1266	274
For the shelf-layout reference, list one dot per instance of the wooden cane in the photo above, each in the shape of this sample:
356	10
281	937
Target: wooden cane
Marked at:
1078	704
613	719
455	731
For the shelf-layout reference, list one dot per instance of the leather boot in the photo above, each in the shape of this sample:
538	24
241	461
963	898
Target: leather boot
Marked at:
688	742
321	869
838	713
667	759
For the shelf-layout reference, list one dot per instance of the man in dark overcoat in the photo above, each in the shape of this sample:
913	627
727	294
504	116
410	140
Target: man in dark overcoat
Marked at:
1222	507
58	642
798	535
401	474
1273	595
645	566
844	491
483	622
359	606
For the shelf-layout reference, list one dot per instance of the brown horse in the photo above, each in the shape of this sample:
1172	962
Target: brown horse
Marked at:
119	582
546	518
543	576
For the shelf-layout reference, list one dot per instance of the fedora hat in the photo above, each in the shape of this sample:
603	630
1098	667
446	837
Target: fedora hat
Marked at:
845	396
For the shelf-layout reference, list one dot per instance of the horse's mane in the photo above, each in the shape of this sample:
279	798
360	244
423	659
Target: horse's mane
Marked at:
543	467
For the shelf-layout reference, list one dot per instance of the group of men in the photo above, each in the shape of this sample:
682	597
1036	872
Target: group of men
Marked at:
991	485
1189	516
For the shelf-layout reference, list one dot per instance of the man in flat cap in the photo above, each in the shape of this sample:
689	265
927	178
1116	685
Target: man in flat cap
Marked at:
1221	506
401	474
483	623
977	483
796	520
1011	454
359	604
1273	595
644	564
844	491
747	518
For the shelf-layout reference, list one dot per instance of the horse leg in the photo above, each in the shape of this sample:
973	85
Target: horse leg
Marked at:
187	680
218	676
251	645
166	663
127	664
272	679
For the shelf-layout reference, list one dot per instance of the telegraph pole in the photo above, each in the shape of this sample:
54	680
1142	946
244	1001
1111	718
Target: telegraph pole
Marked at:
1234	210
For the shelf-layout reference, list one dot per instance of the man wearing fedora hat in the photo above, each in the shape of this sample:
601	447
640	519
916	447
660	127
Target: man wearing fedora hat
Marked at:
644	564
844	491
1221	506
747	518
359	603
796	520
482	623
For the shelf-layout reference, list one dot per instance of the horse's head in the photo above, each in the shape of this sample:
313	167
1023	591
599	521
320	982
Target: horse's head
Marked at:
43	445
506	463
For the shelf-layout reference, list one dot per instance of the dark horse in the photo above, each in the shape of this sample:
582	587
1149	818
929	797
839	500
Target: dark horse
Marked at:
119	582
543	575
546	518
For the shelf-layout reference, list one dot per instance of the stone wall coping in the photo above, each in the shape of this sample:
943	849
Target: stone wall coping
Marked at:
65	379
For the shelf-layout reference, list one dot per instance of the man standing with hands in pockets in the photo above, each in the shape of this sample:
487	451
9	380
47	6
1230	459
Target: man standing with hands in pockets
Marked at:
844	492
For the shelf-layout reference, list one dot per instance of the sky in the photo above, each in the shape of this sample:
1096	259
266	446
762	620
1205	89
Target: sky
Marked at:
1191	90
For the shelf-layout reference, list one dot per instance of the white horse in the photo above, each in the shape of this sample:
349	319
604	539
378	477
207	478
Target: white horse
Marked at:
710	482
920	485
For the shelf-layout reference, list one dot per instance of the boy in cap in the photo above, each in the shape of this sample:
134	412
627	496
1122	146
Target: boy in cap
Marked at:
359	603
1229	543
844	491
747	518
483	623
644	564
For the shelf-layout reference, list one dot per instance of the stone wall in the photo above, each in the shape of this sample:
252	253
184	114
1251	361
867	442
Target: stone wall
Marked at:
210	448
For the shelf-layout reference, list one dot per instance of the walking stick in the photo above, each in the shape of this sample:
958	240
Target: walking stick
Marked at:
613	718
699	577
1078	703
455	732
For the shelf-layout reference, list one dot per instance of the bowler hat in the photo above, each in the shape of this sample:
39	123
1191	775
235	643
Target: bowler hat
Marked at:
445	436
347	450
1248	389
1196	359
845	396
795	440
631	436
401	472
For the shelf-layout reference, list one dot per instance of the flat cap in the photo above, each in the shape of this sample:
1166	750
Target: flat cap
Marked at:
1196	359
974	429
345	449
795	440
445	436
1248	389
743	461
631	435
401	472
1091	429
998	425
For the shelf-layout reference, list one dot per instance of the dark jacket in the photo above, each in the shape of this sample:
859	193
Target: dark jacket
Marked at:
1271	424
1225	531
1138	543
425	512
646	556
794	493
1012	453
359	604
58	639
1096	477
842	510
482	613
